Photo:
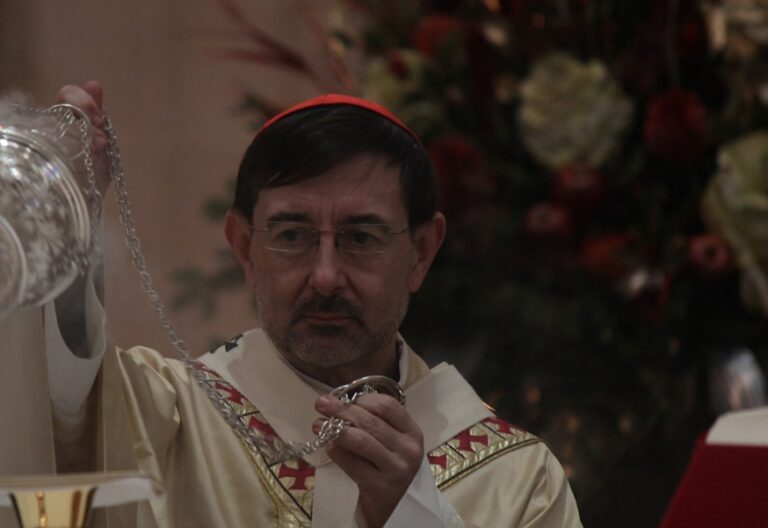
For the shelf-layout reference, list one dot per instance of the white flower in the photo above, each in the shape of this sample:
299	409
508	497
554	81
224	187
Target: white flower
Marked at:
390	88
729	18
735	205
572	112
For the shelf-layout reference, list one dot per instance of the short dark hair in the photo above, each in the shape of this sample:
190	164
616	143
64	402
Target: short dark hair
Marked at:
312	141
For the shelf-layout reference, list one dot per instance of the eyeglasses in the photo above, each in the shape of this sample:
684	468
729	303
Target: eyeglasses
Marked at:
298	238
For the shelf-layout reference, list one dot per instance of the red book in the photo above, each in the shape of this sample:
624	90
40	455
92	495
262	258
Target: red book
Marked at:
726	484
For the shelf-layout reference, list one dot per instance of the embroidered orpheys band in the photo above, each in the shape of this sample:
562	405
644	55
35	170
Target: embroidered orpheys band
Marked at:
290	484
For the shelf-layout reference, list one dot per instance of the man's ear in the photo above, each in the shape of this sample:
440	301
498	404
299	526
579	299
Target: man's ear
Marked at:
238	232
427	239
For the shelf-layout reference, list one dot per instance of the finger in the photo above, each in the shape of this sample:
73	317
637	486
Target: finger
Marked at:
390	410
96	91
359	469
77	96
368	447
360	444
317	425
361	419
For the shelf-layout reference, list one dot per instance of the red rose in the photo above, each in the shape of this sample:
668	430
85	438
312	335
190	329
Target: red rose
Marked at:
710	255
460	172
677	126
434	31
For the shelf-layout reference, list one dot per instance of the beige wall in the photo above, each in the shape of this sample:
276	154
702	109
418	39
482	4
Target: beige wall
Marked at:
171	99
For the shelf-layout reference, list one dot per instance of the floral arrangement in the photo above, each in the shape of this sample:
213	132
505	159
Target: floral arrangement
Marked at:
604	169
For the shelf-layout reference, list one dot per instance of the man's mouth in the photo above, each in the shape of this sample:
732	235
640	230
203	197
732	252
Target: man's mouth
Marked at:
328	312
328	318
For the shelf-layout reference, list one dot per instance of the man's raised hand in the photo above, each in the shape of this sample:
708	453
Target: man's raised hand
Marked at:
381	452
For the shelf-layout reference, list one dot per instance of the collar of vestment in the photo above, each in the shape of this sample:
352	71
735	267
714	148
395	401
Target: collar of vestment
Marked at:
438	399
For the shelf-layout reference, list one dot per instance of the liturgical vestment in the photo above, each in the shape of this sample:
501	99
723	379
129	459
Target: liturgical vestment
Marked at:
488	473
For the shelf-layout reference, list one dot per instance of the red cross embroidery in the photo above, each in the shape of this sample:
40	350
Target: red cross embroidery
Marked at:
264	427
299	474
439	460
503	427
233	394
465	439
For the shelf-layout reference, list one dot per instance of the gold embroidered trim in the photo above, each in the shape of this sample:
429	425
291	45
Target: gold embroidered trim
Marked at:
473	448
290	485
294	506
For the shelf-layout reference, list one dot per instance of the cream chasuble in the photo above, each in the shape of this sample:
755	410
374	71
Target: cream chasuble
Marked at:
153	417
493	474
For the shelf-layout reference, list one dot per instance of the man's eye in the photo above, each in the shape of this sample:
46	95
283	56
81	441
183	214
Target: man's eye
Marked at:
363	238
293	235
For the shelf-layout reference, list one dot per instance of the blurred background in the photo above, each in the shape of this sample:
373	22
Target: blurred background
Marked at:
603	166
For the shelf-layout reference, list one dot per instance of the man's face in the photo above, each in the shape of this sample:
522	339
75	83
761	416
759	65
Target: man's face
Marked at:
327	307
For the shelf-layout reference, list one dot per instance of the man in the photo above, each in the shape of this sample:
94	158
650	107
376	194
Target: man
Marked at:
335	225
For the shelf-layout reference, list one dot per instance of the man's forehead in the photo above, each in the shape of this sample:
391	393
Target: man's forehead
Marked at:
284	203
361	186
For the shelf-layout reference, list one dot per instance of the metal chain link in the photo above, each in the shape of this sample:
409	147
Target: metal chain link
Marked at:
67	115
93	193
274	452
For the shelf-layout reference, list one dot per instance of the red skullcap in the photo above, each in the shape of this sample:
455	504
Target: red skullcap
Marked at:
339	99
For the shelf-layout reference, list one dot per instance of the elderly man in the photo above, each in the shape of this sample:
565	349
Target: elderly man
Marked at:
335	225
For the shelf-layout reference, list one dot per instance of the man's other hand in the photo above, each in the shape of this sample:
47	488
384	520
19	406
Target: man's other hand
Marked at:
89	98
381	452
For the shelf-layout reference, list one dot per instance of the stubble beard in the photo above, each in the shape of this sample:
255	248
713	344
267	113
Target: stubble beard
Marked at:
329	345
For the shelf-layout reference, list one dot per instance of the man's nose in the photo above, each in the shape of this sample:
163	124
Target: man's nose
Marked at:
328	273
